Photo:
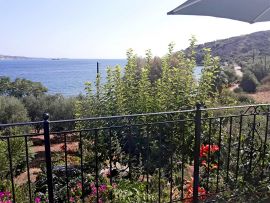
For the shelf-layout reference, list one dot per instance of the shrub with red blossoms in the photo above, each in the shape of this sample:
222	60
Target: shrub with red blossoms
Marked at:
207	155
188	197
206	149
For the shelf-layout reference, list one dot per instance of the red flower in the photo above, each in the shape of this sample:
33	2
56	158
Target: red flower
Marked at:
202	193
214	148
205	149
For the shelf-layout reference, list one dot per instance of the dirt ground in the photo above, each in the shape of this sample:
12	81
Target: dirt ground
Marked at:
261	97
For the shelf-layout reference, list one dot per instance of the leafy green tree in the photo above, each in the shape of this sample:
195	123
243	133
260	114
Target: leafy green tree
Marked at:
59	107
21	87
11	111
134	90
249	82
5	84
259	70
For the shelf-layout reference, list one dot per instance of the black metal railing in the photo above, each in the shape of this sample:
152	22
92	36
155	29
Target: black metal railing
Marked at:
189	155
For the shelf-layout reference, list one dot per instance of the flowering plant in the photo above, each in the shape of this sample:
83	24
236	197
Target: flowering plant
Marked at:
188	198
207	156
5	197
41	198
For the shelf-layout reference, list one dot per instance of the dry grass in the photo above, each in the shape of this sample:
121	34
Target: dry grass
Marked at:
261	97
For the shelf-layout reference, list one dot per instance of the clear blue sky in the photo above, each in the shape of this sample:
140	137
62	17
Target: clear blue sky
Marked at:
104	29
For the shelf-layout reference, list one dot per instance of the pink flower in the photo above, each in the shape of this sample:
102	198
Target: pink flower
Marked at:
71	199
102	188
37	200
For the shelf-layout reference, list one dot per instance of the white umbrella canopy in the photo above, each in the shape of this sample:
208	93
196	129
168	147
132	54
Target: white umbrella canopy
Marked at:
250	11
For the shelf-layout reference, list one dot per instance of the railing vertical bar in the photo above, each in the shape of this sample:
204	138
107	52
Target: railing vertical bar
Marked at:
147	160
171	165
66	166
110	158
81	165
208	159
159	167
27	168
96	164
129	150
183	160
265	141
252	143
238	148
229	150
198	128
46	127
219	146
11	171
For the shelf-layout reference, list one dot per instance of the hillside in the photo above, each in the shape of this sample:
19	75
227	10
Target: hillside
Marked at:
240	48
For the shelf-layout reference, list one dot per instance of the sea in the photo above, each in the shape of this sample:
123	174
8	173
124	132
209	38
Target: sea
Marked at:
64	76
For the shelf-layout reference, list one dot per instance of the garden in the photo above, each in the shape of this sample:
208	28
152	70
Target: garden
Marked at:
148	134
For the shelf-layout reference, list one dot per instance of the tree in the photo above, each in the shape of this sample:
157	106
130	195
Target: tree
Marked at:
59	107
249	82
11	111
133	90
4	85
21	87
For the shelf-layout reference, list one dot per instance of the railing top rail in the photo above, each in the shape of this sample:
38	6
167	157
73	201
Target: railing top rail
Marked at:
21	124
234	107
132	115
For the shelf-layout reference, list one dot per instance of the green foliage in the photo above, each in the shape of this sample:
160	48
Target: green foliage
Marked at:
20	87
129	192
249	82
56	105
239	50
136	91
230	75
259	70
59	108
132	91
11	111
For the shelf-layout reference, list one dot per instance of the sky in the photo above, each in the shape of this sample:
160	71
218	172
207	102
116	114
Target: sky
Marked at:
105	28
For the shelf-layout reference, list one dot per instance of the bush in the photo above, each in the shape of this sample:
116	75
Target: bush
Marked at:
12	110
245	99
20	87
238	90
230	75
249	82
259	70
58	106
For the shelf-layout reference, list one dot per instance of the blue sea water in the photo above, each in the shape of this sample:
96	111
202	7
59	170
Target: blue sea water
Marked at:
65	76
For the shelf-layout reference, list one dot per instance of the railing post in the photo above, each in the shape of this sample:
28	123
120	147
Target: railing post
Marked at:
196	176
46	128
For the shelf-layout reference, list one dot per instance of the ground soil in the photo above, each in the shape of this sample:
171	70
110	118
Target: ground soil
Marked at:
261	97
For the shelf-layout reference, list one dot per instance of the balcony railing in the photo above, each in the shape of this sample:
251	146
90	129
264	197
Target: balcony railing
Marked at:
188	155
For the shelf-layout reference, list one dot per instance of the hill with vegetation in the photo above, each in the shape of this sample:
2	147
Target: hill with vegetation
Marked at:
238	49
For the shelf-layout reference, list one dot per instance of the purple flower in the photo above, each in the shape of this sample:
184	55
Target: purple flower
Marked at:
37	200
102	188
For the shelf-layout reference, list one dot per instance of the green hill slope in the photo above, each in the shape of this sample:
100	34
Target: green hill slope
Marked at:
240	48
